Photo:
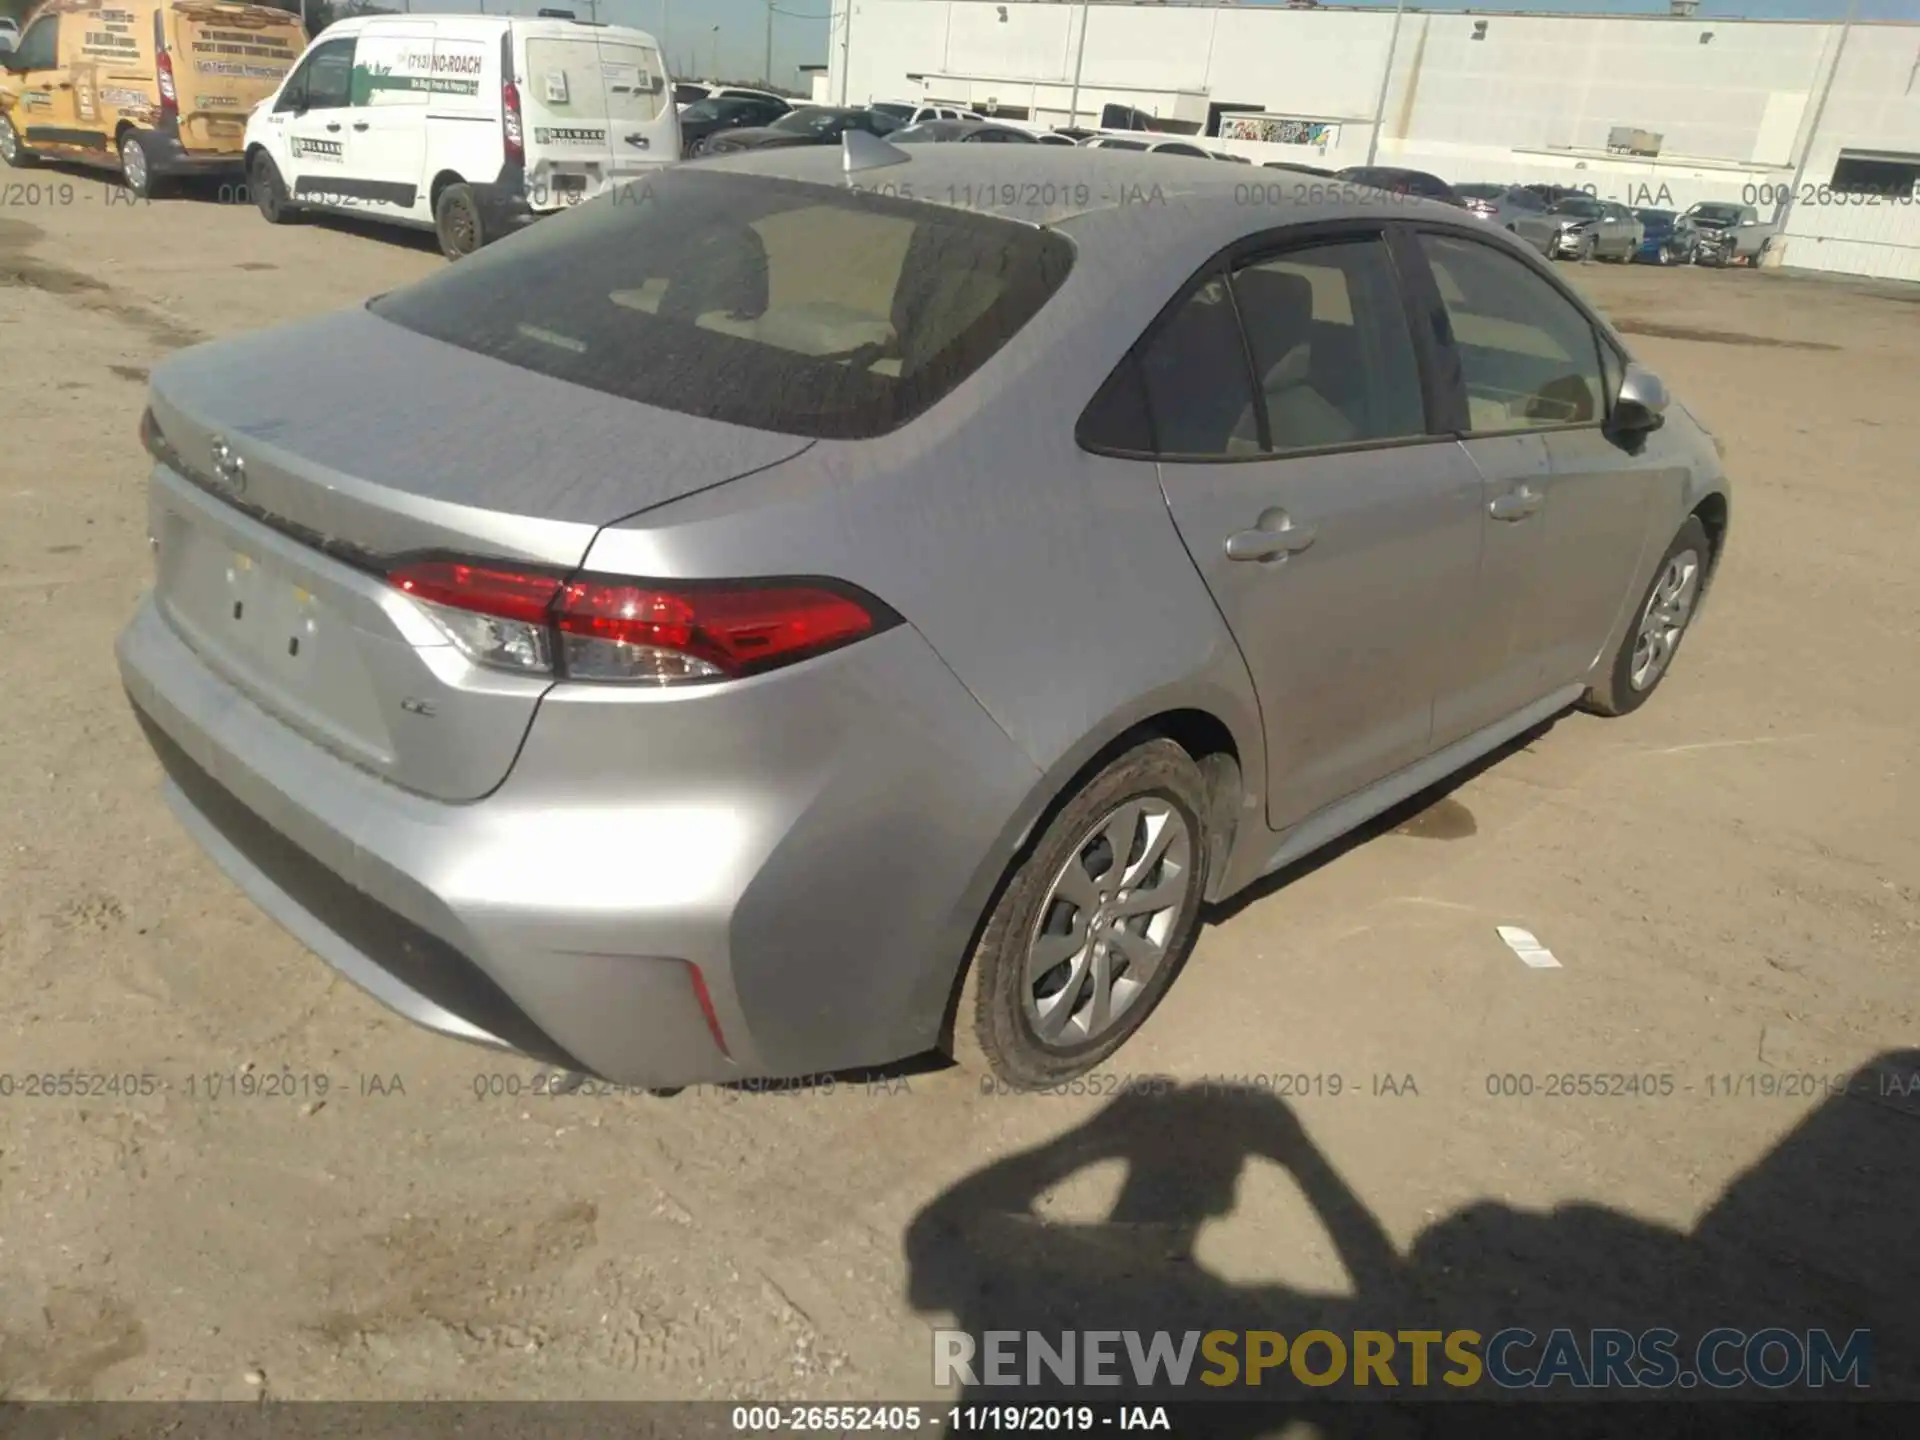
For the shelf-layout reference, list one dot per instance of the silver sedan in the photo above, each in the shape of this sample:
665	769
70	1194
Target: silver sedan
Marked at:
835	605
1581	227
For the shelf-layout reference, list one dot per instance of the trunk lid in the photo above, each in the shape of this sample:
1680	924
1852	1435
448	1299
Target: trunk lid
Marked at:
226	60
356	442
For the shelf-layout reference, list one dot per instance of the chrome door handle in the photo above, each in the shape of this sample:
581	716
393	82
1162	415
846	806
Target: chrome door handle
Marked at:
1274	537
1516	504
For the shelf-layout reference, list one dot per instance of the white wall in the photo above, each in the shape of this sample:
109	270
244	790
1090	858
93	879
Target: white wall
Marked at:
1532	100
1874	105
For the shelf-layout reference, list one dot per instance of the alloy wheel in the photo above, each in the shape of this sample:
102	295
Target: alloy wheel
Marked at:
1665	618
133	164
1107	921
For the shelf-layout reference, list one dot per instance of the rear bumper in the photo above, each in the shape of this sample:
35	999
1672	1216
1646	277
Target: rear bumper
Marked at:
816	846
167	155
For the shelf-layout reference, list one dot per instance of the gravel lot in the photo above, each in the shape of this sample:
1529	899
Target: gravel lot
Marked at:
1731	879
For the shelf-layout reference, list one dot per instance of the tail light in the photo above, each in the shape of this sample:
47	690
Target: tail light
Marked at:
169	95
510	123
607	628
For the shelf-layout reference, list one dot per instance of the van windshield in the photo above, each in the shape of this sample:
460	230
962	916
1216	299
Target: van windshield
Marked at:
804	309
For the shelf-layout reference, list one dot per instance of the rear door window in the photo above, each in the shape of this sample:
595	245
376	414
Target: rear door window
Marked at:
803	309
1331	348
1198	387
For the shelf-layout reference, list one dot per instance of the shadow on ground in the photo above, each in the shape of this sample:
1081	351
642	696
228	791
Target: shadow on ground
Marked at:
1820	1234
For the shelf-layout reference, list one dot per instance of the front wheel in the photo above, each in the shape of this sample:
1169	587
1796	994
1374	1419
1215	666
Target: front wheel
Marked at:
269	191
1646	651
456	221
12	150
1091	926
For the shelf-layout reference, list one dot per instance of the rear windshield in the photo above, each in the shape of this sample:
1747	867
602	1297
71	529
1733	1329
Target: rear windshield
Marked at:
803	309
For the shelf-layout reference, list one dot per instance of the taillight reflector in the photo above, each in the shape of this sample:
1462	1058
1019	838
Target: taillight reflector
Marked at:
595	627
515	138
169	96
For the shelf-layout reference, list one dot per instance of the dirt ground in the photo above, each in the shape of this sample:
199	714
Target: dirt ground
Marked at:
1730	878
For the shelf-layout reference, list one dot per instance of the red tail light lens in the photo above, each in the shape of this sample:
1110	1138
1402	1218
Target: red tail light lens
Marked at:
169	96
596	627
516	140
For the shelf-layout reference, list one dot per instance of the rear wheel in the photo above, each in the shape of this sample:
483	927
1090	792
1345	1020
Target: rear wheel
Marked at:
137	167
269	191
1091	926
1660	623
12	150
456	220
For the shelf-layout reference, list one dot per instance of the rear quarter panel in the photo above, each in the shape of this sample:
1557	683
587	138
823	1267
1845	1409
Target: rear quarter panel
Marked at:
1050	580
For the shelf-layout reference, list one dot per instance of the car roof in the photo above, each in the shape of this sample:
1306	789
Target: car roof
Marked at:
1094	195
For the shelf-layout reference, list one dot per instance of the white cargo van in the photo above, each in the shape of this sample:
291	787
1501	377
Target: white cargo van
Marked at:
469	124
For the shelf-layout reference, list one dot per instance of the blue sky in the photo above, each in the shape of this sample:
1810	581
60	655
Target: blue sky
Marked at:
800	26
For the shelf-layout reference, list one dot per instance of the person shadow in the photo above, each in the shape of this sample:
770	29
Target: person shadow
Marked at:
1818	1234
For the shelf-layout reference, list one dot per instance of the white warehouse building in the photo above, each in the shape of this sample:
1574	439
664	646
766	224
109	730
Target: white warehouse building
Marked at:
1817	125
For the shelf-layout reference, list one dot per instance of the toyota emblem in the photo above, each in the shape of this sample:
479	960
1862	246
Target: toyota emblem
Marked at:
229	470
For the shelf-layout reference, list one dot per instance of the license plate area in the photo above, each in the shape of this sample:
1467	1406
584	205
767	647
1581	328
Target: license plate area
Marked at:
273	636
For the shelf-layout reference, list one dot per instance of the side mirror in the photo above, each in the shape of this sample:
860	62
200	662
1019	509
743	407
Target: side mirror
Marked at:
1641	405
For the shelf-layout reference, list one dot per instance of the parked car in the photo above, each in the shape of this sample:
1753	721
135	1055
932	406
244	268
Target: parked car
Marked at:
1553	194
468	125
176	108
809	125
1739	225
691	92
1588	229
585	649
1401	182
911	113
1508	206
964	132
1662	242
1053	137
1141	142
704	119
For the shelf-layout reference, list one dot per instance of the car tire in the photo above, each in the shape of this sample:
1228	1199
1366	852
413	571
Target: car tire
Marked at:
137	168
1061	890
137	171
1659	625
1666	255
13	149
269	191
1588	249
456	221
